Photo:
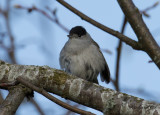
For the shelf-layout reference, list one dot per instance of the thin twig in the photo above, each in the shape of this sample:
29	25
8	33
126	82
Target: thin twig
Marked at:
11	50
52	98
119	49
55	20
134	17
149	8
134	44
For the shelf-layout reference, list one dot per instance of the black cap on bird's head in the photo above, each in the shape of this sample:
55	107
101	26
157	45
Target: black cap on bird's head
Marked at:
78	30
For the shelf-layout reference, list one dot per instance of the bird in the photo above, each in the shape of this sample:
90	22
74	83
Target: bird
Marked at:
81	57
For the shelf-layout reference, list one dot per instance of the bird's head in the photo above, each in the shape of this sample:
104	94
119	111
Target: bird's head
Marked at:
77	32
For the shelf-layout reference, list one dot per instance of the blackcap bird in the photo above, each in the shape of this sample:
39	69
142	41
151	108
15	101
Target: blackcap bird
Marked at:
81	56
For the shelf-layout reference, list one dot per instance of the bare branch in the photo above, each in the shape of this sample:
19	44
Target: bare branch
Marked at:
11	49
55	20
78	90
144	36
116	83
1	97
134	44
52	98
12	101
144	12
119	49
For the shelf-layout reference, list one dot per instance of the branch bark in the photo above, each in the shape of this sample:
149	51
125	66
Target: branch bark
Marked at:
144	36
12	101
1	98
78	90
52	98
134	44
146	41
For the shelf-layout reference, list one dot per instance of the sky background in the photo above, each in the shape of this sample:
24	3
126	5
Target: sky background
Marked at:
39	41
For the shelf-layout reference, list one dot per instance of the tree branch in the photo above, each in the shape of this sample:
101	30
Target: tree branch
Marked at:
1	97
55	20
52	98
11	49
78	90
134	44
119	49
144	12
144	36
12	101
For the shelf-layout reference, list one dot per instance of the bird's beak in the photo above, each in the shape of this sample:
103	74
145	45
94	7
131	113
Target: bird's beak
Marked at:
69	36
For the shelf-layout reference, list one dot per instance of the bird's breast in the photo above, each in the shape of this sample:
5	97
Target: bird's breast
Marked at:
76	46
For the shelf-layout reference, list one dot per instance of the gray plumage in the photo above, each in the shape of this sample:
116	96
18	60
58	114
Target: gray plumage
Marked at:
82	57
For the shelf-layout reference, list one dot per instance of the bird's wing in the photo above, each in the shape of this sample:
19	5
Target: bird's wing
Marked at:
105	73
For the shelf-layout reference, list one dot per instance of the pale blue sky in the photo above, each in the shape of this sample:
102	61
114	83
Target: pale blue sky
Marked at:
40	35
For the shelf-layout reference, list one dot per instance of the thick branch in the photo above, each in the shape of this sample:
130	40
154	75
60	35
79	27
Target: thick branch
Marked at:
78	90
134	44
134	17
12	101
52	98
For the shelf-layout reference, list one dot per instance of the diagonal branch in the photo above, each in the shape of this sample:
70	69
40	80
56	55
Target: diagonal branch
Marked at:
134	44
52	98
12	101
116	83
78	90
11	51
55	20
144	12
144	36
